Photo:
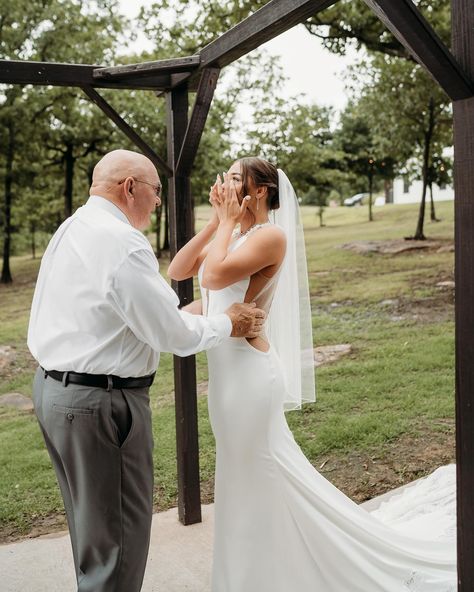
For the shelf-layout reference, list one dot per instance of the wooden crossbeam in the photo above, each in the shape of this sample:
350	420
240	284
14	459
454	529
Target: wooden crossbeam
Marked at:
143	69
80	75
277	16
127	130
413	31
197	121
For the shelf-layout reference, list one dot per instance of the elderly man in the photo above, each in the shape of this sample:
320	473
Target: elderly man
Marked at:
101	314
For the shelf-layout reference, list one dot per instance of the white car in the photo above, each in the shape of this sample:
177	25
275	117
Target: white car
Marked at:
355	200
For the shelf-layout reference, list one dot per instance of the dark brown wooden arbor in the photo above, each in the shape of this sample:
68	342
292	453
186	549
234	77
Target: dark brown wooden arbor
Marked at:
175	78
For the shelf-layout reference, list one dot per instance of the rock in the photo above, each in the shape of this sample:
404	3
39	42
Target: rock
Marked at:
446	249
16	401
362	247
7	355
325	354
447	284
389	302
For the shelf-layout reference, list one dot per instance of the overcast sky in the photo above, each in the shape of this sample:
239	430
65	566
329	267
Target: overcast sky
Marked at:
322	83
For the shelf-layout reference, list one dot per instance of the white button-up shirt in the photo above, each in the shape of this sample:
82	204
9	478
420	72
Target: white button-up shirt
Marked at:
101	306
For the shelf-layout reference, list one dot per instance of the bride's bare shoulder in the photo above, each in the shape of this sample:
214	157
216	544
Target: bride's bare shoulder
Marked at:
269	234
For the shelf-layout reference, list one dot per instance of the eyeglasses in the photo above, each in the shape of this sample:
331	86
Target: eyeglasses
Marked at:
157	188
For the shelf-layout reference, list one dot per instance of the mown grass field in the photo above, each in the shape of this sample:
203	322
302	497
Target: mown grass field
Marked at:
384	414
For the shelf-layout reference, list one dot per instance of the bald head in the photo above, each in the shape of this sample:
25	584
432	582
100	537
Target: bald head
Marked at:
130	181
119	164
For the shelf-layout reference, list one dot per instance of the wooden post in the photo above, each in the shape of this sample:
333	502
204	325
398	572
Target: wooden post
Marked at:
181	230
463	49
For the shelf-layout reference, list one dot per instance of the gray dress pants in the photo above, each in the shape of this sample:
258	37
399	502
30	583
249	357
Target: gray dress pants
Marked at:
100	443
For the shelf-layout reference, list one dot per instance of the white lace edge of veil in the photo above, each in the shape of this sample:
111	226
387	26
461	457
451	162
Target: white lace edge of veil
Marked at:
289	324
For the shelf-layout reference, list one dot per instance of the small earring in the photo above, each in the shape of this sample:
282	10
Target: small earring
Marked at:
258	202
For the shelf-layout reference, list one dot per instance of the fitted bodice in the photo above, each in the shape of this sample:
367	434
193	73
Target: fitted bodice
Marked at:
218	301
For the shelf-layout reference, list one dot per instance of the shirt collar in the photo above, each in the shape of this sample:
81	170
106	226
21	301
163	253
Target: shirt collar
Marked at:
108	206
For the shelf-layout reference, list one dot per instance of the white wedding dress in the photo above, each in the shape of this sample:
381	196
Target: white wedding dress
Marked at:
280	526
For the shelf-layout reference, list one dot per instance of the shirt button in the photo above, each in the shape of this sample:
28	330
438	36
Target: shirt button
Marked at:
70	416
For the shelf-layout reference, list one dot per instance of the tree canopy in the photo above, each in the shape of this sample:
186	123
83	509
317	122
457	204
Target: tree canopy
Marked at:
396	116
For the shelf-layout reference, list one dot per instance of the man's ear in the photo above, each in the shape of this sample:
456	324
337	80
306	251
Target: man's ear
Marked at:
129	185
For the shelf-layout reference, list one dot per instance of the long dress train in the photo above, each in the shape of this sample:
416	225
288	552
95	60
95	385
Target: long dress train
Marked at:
280	526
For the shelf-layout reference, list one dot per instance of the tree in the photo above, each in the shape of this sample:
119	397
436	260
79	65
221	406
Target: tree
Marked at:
297	136
439	173
54	30
352	23
368	161
410	113
313	197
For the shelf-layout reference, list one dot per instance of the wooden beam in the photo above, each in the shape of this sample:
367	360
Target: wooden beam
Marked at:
127	130
195	128
414	32
133	71
181	230
80	75
268	22
462	23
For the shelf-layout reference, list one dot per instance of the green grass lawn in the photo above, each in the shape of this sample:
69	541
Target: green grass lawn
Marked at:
383	416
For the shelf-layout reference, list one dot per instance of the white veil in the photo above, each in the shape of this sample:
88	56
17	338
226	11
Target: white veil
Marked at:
289	324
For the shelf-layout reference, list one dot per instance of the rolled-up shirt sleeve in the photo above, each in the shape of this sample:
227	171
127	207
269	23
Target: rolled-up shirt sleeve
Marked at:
149	307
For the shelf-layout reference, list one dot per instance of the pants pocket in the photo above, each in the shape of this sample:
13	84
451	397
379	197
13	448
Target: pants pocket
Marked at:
72	410
121	416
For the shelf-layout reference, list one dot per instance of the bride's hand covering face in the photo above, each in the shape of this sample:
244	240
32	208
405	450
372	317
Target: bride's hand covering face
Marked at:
225	200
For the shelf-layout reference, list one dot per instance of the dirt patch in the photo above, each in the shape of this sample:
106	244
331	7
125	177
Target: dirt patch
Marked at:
21	361
363	476
7	357
397	246
436	306
54	523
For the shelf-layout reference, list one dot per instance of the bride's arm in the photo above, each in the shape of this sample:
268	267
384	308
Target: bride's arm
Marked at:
186	262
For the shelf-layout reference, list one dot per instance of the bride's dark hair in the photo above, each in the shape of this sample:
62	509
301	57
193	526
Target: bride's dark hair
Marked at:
263	174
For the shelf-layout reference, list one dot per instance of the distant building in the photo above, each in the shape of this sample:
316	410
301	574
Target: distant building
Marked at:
406	191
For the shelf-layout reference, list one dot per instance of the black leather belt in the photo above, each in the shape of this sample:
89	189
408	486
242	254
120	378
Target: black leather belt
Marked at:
105	381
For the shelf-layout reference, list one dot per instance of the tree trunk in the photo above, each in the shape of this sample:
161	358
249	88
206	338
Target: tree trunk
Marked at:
371	184
69	178
419	235
388	187
7	228
33	240
320	214
433	217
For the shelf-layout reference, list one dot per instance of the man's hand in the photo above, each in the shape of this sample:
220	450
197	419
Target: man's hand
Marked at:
247	320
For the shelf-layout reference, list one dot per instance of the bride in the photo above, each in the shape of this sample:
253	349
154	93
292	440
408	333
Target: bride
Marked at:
280	526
